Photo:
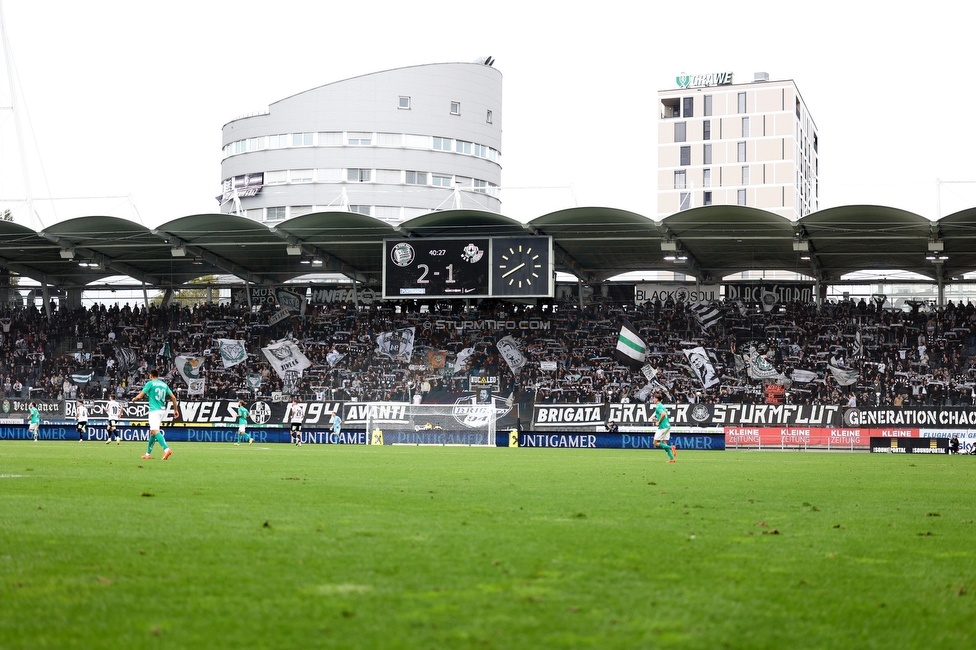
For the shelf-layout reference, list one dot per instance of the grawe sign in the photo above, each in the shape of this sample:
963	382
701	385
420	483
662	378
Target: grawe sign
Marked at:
702	80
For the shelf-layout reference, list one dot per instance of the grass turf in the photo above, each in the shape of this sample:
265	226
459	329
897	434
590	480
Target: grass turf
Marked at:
428	547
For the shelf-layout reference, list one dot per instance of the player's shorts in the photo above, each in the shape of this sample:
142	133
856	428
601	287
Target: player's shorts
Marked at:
336	427
296	427
81	426
32	428
662	435
241	429
156	420
111	425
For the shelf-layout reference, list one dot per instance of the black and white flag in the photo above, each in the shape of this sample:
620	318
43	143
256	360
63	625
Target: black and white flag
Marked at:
706	315
396	344
702	366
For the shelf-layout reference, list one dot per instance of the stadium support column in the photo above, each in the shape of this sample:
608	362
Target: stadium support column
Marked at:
46	294
579	288
72	299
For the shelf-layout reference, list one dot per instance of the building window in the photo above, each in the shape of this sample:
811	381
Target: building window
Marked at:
745	175
301	175
455	108
706	198
416	178
685	156
443	144
670	108
275	214
330	139
361	209
403	103
708	106
745	127
275	177
302	139
254	144
707	130
328	175
742	102
684	201
706	154
741	197
440	181
688	107
388	176
488	117
480	186
481	150
680	180
360	139
706	178
679	131
462	147
358	175
741	152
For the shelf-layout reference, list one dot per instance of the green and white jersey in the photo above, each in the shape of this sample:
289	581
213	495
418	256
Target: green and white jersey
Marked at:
658	410
157	391
242	414
35	416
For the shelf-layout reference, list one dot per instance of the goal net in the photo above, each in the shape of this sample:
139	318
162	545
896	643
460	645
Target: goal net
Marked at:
399	423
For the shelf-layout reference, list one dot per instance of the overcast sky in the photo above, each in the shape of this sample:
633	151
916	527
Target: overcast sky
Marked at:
127	100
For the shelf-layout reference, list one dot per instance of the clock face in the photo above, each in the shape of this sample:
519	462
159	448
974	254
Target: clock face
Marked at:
520	266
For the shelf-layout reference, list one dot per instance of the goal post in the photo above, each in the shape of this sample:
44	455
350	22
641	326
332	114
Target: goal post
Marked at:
400	423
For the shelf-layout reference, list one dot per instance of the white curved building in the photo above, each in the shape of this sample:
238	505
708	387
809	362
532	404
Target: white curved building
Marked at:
392	145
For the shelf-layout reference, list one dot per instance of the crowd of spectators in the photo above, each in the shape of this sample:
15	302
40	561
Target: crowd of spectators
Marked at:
925	356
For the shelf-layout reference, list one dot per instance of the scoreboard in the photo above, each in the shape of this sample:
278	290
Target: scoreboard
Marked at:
474	267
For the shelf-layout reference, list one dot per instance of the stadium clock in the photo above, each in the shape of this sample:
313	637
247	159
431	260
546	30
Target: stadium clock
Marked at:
521	266
436	268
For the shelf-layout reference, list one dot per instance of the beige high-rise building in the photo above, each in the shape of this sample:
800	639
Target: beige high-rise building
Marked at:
726	143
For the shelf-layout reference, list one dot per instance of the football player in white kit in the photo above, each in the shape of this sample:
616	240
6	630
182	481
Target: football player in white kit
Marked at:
113	411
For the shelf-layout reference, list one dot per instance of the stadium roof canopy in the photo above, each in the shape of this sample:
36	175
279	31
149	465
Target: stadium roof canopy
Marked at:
592	243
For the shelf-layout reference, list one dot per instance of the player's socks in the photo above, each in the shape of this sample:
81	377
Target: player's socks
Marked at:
667	448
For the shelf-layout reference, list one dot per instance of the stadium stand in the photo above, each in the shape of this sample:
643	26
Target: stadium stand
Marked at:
889	357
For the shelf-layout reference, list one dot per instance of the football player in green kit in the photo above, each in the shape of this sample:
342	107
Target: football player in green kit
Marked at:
663	436
157	391
242	433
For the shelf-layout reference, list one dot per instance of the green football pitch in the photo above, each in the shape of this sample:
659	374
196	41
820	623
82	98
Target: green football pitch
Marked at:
274	546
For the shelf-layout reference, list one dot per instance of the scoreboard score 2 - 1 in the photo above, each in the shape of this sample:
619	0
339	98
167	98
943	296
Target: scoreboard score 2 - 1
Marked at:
467	268
434	268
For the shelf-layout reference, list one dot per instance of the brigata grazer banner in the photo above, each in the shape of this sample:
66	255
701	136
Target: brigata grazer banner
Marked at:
641	415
